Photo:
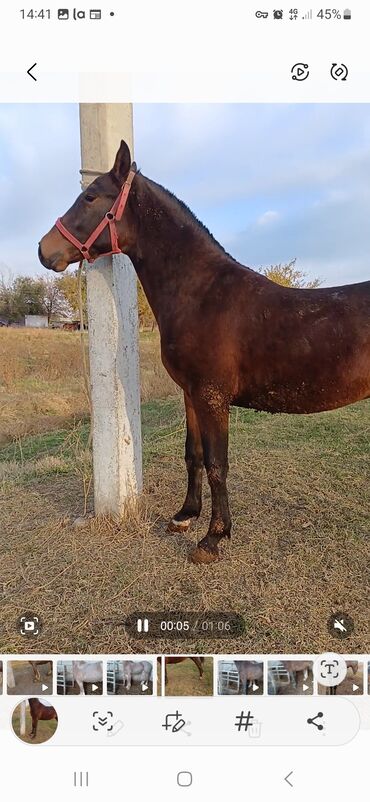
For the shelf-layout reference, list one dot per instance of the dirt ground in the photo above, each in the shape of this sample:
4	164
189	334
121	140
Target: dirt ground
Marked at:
345	688
24	679
45	729
184	679
299	497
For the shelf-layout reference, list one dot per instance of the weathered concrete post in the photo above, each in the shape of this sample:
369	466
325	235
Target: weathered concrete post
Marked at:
113	331
22	722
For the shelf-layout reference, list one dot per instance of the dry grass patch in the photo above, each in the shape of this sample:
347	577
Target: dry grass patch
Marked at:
41	380
299	494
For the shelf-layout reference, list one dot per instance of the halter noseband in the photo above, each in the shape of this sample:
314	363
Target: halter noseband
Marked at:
110	219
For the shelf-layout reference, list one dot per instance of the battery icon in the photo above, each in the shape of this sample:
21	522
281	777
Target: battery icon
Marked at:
347	13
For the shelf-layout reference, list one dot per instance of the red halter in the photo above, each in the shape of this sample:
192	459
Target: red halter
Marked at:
110	219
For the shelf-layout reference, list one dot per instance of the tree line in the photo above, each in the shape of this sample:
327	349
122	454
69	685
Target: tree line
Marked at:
57	296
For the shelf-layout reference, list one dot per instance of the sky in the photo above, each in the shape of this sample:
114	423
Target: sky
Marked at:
272	182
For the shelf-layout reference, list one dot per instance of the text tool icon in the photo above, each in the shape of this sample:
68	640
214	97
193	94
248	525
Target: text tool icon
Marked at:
300	71
330	669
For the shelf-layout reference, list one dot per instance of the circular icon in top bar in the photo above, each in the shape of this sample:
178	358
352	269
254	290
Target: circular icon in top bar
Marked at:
29	625
340	625
300	71
330	669
339	72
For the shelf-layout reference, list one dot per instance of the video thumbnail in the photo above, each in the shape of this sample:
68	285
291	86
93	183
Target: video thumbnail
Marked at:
130	677
84	677
240	677
31	676
188	676
290	677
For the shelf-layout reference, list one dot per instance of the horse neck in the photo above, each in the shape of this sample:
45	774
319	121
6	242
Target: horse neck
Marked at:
172	250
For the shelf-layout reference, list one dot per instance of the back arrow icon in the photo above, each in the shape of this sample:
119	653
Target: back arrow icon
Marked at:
29	72
287	780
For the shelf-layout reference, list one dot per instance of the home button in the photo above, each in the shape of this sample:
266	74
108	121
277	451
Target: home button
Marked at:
184	779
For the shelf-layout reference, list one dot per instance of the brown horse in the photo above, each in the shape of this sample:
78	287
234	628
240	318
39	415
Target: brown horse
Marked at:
40	712
229	336
199	662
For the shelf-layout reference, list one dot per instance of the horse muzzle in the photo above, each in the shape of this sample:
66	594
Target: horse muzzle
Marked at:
57	262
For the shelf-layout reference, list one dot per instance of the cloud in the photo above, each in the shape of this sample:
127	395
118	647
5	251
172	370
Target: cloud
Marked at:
267	218
330	238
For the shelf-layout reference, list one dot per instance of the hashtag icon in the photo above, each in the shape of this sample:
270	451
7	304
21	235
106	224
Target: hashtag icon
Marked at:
244	720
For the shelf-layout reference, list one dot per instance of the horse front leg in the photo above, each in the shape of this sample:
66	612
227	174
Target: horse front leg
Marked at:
192	505
213	421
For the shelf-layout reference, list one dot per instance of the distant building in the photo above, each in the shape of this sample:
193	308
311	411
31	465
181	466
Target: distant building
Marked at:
36	321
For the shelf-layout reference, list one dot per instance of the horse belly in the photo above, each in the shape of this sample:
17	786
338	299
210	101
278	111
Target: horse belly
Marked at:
305	397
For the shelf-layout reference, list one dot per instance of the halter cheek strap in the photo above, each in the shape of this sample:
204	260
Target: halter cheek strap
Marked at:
110	219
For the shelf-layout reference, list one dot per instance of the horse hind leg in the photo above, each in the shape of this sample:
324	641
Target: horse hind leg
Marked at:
213	422
192	505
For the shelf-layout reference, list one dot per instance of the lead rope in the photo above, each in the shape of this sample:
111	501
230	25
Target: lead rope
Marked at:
83	350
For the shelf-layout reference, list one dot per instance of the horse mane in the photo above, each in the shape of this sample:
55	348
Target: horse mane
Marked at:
188	214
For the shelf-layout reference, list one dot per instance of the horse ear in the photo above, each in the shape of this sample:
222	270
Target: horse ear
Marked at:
122	162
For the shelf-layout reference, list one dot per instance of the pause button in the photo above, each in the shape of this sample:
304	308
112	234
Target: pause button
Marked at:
142	625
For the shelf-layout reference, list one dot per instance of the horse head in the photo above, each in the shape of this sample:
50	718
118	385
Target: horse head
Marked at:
95	224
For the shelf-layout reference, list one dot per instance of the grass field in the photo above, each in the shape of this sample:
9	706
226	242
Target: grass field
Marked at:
299	496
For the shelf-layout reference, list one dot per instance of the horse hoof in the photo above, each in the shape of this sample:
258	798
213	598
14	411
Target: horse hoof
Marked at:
203	556
178	526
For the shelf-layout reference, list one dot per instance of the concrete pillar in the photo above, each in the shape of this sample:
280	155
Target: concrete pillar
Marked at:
22	723
113	331
10	676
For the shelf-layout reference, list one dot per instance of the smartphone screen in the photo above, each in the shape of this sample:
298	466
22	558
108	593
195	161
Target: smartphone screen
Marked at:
184	401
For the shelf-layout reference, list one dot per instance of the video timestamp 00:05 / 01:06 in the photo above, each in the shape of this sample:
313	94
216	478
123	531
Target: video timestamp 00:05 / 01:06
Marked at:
183	625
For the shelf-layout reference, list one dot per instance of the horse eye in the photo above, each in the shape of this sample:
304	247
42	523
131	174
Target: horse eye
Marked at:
89	198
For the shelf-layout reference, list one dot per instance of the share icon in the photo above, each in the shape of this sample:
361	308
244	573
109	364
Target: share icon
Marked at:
313	721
